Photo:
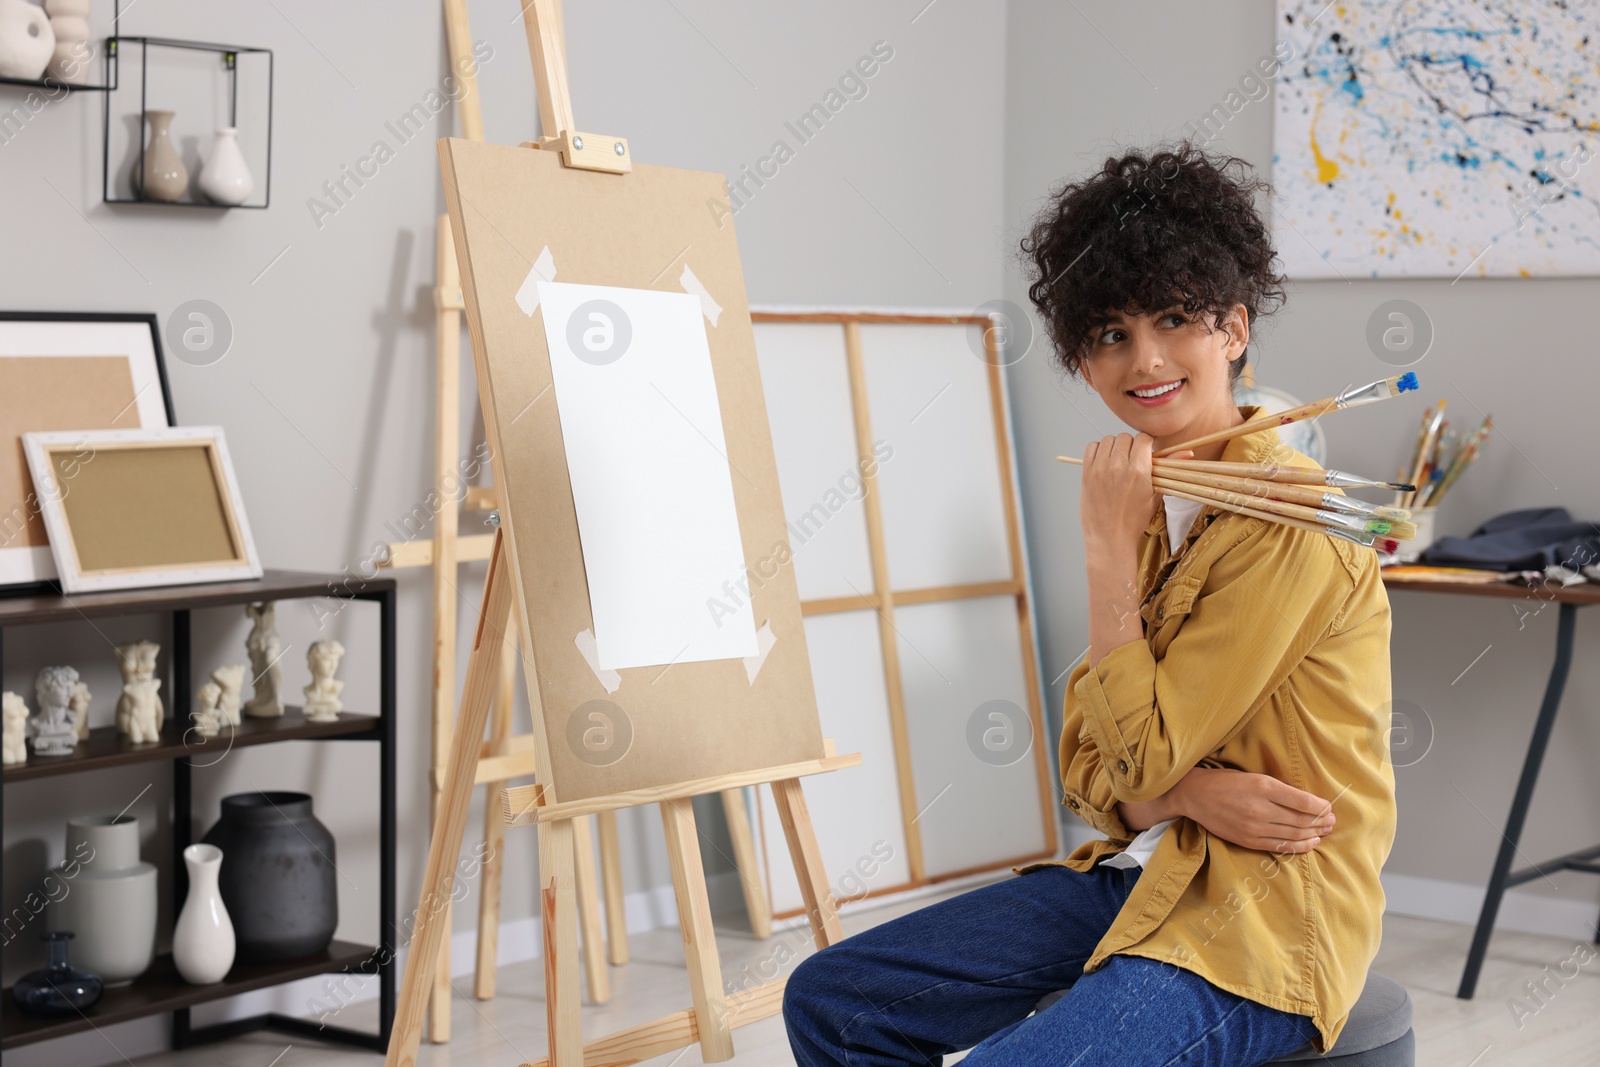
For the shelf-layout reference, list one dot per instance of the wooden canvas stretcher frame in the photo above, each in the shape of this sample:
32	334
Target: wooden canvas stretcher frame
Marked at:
712	1017
883	598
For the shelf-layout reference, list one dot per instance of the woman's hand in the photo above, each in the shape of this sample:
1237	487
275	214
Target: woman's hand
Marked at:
1254	811
1116	501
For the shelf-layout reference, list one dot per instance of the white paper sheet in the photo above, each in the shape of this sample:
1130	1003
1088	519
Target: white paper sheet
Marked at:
650	476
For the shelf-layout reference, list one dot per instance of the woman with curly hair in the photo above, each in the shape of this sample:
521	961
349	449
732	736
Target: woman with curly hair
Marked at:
1232	707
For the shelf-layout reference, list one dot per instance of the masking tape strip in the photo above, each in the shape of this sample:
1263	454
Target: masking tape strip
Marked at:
543	270
591	655
765	639
692	286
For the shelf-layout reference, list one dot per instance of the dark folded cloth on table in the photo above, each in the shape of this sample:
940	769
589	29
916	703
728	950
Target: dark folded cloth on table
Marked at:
1528	539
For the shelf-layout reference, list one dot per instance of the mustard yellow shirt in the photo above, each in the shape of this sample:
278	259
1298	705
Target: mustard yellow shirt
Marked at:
1267	650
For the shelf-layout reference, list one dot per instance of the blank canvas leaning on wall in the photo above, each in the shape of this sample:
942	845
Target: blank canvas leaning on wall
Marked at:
948	721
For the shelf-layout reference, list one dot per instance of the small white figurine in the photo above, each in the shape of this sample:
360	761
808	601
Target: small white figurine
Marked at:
322	695
207	721
15	712
55	733
143	718
266	701
230	680
80	704
137	661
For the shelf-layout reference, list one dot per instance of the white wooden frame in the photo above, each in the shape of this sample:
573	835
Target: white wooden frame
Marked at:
66	335
40	446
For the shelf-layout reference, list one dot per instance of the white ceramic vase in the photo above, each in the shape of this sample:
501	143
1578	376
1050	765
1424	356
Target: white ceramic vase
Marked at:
109	900
26	40
224	178
202	943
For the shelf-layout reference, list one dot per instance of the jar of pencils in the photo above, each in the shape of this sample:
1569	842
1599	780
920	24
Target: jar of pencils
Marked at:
1412	548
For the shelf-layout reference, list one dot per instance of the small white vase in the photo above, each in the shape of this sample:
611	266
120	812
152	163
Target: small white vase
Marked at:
224	178
202	943
26	40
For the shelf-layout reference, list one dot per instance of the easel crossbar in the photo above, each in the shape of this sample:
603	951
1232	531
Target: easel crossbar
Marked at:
524	805
675	1031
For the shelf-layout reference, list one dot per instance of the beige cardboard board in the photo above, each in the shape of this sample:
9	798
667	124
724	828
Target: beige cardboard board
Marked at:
134	508
668	724
51	393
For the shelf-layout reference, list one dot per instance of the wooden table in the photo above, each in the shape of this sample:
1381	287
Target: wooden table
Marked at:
1503	877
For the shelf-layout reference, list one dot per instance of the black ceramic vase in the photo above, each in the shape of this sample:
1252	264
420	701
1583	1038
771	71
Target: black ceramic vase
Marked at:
278	877
60	990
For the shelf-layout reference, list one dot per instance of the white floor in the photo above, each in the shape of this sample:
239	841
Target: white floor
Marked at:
1426	956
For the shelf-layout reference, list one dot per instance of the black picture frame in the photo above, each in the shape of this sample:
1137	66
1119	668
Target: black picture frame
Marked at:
10	586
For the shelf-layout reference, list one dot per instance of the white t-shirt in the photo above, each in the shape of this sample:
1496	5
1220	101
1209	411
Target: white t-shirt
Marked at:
1181	514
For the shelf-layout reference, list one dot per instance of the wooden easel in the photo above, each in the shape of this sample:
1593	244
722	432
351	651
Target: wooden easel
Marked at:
504	756
713	1015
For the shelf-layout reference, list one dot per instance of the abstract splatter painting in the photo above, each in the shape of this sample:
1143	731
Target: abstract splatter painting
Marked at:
1438	138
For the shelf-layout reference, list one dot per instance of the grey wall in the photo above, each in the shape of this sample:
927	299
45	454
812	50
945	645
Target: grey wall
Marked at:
1085	79
912	196
327	391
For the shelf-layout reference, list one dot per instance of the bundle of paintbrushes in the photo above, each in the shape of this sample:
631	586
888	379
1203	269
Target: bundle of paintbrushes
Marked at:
1439	458
1290	495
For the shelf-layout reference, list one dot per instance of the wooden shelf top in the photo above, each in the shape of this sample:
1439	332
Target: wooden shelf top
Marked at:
107	748
273	585
162	989
1583	593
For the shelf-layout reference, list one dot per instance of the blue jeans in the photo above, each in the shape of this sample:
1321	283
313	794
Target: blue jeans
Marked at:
967	971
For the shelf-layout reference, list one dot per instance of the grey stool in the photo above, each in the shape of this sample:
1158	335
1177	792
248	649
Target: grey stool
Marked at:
1377	1034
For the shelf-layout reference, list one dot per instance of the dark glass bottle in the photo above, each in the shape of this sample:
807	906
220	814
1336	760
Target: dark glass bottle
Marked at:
60	990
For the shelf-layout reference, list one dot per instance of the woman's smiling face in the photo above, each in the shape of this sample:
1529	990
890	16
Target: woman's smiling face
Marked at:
1166	374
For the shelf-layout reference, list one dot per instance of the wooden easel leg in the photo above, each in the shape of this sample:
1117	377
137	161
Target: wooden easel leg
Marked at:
439	999
699	940
494	826
744	858
558	909
594	958
447	447
611	881
432	927
821	909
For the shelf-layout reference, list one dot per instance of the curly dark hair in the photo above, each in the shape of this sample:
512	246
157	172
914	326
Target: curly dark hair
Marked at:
1147	232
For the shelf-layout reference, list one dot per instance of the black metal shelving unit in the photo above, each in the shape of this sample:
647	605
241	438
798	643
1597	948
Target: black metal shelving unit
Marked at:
230	58
160	990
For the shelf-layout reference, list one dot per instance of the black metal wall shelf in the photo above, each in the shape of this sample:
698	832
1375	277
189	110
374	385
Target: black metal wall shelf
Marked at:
230	59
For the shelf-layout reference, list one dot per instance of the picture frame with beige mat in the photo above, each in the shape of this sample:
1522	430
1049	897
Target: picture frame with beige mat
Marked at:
131	509
73	370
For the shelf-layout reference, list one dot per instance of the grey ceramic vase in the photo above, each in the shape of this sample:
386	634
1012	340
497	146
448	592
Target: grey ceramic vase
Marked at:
278	879
108	900
164	176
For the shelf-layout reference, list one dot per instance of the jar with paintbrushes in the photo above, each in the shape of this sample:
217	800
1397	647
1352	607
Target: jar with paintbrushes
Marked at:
1437	462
